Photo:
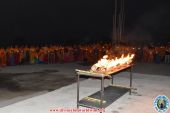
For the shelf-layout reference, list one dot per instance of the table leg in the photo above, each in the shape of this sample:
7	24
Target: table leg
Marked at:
78	84
130	81
102	93
112	80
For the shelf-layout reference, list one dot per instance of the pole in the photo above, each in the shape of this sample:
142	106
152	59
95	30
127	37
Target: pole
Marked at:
115	22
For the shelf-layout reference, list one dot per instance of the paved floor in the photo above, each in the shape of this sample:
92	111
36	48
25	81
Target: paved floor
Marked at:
21	82
152	68
149	87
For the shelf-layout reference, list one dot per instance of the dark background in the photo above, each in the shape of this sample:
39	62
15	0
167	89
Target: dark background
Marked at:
50	21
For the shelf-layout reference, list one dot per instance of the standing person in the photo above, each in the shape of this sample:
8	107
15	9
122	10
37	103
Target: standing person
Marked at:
26	54
76	54
3	57
85	55
145	54
52	55
7	56
71	55
167	56
21	56
139	54
12	57
16	55
0	58
36	56
162	53
95	54
45	54
66	55
41	56
150	55
81	54
90	59
32	55
61	54
157	55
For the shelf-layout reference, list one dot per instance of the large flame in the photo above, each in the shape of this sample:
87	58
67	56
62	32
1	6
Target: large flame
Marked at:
105	64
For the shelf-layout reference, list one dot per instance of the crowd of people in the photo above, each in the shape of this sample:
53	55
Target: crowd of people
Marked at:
89	53
156	54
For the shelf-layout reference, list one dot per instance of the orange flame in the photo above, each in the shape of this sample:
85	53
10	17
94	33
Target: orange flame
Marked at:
106	64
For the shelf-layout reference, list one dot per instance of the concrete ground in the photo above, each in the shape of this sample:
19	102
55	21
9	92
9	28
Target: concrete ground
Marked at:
22	82
152	68
149	87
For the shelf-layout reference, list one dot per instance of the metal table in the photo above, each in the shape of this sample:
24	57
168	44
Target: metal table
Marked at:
109	75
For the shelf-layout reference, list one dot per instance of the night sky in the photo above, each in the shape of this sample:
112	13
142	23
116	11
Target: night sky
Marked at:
46	21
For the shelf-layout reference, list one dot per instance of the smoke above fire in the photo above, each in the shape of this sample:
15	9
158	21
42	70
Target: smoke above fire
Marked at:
152	25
